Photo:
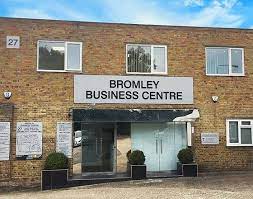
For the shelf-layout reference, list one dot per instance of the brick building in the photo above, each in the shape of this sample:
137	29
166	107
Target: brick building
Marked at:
121	87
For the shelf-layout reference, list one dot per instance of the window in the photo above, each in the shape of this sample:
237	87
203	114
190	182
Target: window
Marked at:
59	56
146	59
239	132
224	61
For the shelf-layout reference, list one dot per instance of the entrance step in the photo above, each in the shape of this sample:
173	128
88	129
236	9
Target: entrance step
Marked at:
72	182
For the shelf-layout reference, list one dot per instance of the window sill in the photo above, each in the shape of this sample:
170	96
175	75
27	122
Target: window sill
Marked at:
136	73
60	71
225	75
239	145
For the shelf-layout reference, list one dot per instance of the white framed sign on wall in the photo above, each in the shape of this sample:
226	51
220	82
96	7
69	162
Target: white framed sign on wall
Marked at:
4	141
64	138
29	140
210	138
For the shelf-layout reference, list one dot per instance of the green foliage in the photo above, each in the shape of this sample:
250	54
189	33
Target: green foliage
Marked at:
50	60
128	154
56	161
139	59
137	157
185	156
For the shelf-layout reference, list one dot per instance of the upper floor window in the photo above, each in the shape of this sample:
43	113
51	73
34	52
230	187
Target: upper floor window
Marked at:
146	59
239	132
59	56
224	61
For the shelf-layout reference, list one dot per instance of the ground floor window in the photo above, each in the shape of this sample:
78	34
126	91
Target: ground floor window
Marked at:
239	132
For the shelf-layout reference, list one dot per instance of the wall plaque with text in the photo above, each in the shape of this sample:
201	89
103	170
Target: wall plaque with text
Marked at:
64	138
209	138
29	139
4	141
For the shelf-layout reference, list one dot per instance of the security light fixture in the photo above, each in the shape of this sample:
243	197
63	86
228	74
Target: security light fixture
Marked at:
7	95
215	98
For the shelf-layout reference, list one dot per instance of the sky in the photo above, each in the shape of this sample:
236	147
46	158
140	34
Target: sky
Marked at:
203	13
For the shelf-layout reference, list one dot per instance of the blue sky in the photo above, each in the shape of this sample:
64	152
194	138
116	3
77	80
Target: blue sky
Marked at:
210	13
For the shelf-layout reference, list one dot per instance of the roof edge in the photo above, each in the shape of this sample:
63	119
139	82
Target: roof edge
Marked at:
125	24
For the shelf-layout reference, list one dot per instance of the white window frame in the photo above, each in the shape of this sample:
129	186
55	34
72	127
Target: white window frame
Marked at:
152	60
65	56
230	62
239	131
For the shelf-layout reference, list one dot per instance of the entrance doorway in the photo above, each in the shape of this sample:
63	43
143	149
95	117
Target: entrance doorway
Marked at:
160	143
98	148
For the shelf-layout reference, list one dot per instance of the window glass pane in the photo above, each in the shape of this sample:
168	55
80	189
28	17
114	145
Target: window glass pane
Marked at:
159	59
246	137
73	56
245	122
51	55
233	132
138	58
217	61
236	59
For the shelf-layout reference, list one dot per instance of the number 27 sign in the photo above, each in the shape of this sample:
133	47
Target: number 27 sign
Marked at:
12	41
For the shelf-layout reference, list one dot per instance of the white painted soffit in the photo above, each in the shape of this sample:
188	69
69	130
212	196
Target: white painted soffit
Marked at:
188	118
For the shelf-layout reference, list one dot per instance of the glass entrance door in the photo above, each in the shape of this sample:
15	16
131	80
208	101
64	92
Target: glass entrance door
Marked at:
160	143
98	147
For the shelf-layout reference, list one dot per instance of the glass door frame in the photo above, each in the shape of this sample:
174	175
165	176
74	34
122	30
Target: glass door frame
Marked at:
114	162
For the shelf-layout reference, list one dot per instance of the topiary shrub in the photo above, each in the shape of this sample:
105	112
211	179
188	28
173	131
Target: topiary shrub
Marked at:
137	157
185	156
128	154
56	161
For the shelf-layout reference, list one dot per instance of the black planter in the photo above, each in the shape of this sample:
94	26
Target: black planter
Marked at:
189	170
53	179
179	168
138	172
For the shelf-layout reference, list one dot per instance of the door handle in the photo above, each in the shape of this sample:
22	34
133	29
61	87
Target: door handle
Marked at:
156	144
96	146
161	146
101	144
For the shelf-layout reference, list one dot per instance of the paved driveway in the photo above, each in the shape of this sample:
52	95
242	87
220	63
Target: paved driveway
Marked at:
236	186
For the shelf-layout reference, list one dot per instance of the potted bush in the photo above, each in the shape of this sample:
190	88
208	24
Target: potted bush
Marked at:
55	173
137	168
187	167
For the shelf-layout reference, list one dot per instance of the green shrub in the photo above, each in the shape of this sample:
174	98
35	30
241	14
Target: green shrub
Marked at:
185	156
128	154
137	157
56	161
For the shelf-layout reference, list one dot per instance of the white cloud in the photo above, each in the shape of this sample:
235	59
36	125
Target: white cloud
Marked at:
30	13
218	13
132	11
193	2
46	10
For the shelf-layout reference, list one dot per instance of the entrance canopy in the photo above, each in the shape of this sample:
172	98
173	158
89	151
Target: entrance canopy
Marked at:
128	115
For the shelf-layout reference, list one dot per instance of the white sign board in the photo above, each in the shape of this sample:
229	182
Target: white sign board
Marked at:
29	139
64	138
209	138
12	42
133	89
4	140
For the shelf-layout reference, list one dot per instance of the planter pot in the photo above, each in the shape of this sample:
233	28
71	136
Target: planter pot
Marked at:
179	168
138	172
128	169
53	179
189	170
